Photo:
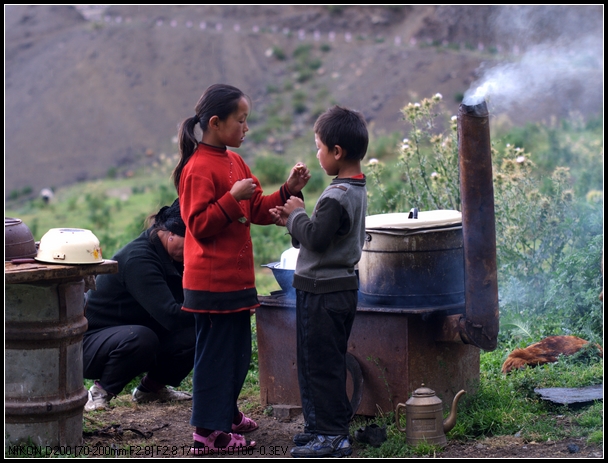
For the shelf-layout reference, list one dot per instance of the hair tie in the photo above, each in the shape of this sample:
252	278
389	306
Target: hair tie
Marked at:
196	119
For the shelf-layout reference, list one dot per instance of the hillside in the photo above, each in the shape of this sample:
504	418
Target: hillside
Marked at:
83	97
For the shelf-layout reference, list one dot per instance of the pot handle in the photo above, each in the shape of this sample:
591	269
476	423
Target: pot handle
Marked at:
399	406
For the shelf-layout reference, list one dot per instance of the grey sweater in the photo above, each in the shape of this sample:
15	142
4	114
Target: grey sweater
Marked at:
331	240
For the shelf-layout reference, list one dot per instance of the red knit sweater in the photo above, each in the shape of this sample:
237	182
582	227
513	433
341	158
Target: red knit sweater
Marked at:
218	254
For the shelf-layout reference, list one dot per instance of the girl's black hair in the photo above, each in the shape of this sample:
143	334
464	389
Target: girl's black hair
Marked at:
219	100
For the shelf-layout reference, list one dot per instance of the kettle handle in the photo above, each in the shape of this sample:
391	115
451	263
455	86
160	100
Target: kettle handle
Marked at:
399	406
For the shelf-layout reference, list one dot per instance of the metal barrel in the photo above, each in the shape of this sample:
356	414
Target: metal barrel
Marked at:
44	390
478	227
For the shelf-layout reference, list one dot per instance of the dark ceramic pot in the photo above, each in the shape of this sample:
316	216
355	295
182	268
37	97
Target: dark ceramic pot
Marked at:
18	240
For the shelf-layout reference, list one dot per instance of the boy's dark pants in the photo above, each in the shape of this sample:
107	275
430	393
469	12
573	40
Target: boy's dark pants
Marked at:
324	323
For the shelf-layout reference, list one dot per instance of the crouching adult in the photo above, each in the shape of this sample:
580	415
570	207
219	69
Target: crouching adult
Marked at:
136	324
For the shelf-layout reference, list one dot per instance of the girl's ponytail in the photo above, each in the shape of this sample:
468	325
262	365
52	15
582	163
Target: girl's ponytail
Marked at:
187	145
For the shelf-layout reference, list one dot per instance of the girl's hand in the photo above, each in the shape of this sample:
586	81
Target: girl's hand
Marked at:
243	189
278	215
298	178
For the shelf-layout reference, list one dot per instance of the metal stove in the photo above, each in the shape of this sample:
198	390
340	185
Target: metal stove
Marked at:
397	350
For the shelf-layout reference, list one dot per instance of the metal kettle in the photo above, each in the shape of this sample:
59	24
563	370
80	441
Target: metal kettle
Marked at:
424	417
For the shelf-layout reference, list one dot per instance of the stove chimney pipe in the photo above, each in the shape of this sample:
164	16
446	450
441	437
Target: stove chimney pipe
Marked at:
480	324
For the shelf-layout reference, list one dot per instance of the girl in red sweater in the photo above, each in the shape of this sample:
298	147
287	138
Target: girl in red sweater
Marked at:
220	198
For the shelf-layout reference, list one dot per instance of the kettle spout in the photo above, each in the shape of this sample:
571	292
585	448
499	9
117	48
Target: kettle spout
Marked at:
450	421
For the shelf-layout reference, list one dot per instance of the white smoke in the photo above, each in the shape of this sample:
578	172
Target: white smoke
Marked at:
561	68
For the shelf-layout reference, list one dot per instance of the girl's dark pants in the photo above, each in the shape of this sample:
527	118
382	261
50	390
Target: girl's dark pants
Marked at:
221	362
324	323
118	354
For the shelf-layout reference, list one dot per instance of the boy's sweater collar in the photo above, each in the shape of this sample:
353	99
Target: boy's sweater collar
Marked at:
352	180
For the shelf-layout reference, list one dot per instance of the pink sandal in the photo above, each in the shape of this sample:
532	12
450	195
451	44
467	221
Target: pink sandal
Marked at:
246	425
208	444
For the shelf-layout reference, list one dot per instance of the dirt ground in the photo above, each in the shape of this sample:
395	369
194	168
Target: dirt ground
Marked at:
163	431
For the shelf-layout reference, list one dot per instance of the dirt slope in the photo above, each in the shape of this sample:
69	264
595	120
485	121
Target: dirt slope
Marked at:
82	97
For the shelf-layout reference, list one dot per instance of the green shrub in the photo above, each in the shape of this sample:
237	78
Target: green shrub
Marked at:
271	169
112	172
318	181
278	53
304	75
302	52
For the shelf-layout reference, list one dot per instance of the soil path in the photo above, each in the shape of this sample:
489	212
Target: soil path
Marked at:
163	431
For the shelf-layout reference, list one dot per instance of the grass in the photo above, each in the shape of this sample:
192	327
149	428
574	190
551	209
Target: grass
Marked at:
508	406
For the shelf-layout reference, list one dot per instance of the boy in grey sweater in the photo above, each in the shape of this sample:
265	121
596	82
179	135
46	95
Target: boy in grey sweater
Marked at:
330	241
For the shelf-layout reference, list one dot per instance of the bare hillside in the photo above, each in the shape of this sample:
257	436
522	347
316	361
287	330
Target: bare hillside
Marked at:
85	96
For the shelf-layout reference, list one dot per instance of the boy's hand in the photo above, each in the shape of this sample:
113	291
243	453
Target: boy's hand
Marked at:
292	204
298	178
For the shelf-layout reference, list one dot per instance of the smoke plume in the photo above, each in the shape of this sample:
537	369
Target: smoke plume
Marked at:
569	66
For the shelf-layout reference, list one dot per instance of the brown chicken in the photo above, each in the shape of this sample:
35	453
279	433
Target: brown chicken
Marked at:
545	351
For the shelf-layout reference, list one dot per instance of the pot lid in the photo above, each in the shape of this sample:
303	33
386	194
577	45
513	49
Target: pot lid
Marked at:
424	392
402	220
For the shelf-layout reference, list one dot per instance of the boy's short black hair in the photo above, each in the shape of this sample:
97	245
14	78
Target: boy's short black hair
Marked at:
344	127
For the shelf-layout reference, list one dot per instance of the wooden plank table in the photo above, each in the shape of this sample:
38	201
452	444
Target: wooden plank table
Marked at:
31	271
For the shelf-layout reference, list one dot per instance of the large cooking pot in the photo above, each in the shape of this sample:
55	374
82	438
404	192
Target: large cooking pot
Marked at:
410	262
18	240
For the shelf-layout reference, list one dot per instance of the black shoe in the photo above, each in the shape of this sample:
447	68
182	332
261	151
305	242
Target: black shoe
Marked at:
303	438
324	446
373	435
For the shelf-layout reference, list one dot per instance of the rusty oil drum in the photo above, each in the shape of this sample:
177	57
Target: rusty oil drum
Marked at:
412	262
44	393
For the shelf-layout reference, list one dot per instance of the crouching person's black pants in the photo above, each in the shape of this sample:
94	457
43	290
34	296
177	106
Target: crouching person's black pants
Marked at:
116	355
